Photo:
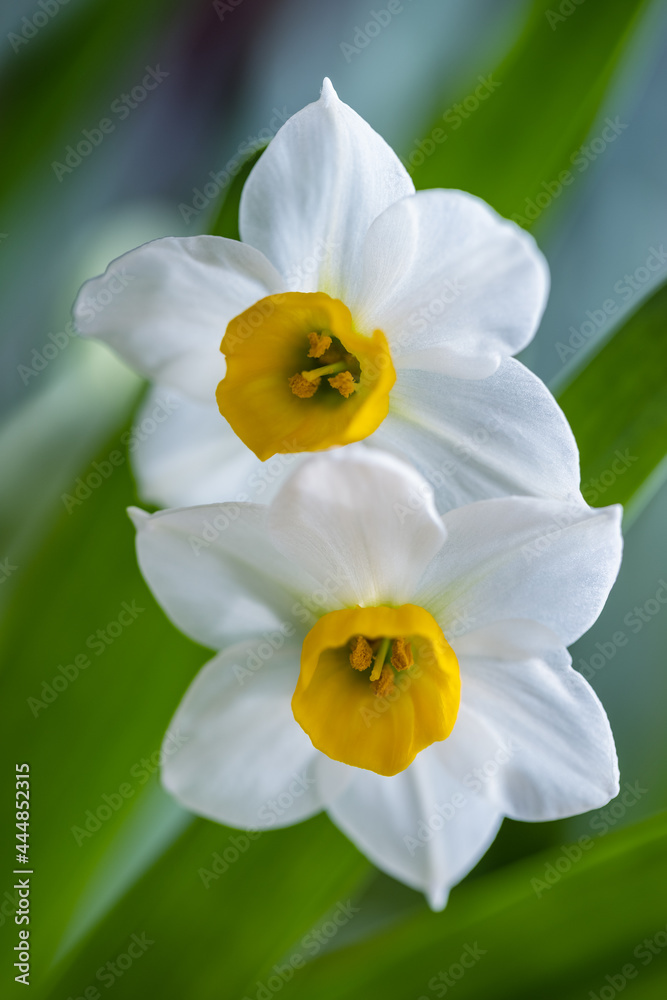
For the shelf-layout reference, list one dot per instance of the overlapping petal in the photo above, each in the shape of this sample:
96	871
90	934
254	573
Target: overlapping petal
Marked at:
185	454
165	307
421	826
522	557
362	518
242	759
474	439
559	757
454	287
216	574
311	198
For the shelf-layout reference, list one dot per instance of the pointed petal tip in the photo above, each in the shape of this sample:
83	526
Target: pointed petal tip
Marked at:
138	517
328	95
437	897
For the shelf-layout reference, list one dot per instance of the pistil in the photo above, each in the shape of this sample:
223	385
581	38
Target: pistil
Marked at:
316	373
380	657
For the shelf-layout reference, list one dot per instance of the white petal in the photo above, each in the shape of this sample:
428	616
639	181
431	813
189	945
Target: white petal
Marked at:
520	557
421	826
362	519
455	287
216	574
239	757
165	307
531	731
309	201
193	456
474	439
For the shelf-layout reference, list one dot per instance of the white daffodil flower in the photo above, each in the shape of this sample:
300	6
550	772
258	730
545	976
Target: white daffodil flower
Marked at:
404	671
354	309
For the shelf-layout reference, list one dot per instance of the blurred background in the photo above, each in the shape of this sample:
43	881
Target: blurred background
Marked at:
569	139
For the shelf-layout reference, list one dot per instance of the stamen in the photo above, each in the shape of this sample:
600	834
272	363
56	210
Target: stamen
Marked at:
361	655
319	343
302	387
380	657
344	383
316	373
401	654
385	685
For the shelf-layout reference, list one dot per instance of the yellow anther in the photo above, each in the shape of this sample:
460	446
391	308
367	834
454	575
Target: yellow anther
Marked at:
385	683
344	383
361	654
319	343
303	387
401	654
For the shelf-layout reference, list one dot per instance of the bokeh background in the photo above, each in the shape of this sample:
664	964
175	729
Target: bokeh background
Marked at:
546	922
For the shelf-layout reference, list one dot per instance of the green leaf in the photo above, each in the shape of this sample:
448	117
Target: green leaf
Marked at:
552	926
229	906
617	406
93	672
92	688
225	220
64	80
537	112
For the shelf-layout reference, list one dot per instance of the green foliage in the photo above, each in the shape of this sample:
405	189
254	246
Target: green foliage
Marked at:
617	406
553	926
544	98
219	926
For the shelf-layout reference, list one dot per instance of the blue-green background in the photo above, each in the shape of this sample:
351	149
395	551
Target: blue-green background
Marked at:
564	68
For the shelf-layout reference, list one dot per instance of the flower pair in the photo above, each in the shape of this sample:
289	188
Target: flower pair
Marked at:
390	652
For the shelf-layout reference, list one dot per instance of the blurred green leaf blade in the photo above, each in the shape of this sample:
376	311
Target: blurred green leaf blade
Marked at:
617	406
552	926
533	116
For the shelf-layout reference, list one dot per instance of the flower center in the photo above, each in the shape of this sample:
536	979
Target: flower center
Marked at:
376	686
341	367
300	377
